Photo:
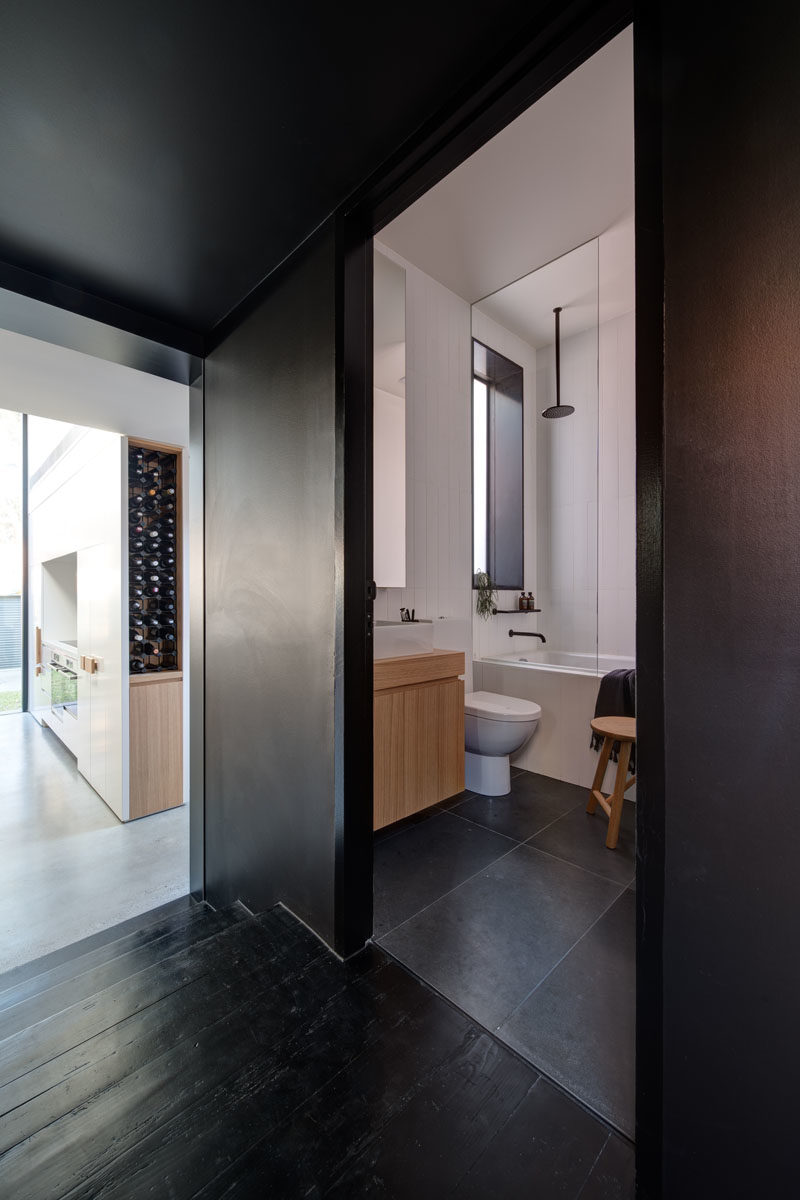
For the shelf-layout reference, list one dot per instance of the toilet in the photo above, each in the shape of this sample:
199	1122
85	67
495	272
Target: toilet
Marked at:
495	727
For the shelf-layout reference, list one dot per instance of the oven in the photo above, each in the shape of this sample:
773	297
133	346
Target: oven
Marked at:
60	678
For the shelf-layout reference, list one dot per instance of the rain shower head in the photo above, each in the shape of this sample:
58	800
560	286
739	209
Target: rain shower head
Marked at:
558	409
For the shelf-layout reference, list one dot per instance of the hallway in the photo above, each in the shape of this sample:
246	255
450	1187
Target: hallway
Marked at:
70	868
215	1054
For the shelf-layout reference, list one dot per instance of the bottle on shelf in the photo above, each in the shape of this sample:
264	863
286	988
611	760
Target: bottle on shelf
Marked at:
522	602
136	665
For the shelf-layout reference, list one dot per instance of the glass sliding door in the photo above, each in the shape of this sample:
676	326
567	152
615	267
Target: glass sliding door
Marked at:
11	559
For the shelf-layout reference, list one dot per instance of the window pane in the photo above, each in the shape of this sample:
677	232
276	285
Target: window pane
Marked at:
479	476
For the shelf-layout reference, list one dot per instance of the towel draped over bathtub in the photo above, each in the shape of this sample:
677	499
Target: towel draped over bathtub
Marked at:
616	698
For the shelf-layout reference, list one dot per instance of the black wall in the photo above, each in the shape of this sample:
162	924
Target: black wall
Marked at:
273	624
731	189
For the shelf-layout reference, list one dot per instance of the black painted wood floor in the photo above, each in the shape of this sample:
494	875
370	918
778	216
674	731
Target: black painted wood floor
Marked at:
215	1054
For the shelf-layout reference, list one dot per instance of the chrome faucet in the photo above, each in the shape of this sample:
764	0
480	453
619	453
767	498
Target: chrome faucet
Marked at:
527	633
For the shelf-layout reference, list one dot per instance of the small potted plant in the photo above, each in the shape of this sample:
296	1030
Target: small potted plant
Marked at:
486	595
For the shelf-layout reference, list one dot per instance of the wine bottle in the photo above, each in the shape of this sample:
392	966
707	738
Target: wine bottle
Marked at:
152	590
151	650
137	577
135	605
137	561
136	666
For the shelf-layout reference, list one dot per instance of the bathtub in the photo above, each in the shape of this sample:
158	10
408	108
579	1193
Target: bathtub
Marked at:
565	685
563	660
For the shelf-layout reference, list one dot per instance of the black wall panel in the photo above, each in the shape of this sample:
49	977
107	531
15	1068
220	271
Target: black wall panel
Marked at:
272	533
731	157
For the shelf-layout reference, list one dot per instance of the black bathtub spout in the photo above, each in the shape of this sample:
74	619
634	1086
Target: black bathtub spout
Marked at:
527	633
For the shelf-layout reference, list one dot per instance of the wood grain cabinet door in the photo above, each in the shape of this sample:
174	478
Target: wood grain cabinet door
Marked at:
419	748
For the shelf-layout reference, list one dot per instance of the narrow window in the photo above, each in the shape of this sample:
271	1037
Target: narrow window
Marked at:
497	467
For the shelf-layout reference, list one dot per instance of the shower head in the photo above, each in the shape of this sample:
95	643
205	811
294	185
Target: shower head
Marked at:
558	409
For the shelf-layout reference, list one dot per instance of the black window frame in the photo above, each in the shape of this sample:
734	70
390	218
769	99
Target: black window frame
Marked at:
499	369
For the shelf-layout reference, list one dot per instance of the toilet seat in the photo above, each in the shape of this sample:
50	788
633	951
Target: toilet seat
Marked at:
492	707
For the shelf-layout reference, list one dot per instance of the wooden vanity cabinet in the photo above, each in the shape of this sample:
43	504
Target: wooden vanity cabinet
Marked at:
418	733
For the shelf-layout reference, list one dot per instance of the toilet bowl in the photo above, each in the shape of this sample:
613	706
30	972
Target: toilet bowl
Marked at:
495	727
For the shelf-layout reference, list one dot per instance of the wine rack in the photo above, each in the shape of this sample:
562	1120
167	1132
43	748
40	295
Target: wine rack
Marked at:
154	559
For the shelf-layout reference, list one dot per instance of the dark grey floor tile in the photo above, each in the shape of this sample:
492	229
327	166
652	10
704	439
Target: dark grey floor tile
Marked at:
581	839
579	1025
613	1175
545	1150
518	816
487	944
388	831
557	791
425	861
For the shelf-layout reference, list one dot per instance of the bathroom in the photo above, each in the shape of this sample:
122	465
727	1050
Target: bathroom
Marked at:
503	894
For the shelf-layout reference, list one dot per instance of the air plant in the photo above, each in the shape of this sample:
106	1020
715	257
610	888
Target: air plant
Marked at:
486	595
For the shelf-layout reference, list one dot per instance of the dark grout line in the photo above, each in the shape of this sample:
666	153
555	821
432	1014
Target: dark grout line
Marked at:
591	1169
570	863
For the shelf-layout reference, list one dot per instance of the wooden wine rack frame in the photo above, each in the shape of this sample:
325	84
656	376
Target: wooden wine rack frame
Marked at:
174	453
156	696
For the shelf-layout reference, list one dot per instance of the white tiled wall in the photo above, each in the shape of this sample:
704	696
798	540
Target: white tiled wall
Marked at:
438	464
617	489
586	501
566	497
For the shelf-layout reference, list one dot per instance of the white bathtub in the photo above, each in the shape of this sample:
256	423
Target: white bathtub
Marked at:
563	660
565	686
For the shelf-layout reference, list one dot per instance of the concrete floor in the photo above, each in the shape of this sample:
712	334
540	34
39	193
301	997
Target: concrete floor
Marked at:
68	867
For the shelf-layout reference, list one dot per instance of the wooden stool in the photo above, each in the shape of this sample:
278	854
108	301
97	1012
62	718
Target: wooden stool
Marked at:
613	729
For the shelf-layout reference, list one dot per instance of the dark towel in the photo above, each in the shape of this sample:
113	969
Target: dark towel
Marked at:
616	698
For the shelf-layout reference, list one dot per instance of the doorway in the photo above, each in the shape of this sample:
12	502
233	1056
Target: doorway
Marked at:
95	816
573	801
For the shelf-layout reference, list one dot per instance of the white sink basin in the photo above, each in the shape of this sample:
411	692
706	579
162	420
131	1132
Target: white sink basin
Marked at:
394	638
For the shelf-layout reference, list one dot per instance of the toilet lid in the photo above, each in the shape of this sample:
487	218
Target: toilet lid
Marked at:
493	707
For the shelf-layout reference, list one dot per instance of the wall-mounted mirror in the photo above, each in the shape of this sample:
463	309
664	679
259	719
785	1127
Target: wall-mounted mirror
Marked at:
389	423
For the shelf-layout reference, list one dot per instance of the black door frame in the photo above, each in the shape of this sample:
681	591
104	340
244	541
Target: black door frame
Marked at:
510	86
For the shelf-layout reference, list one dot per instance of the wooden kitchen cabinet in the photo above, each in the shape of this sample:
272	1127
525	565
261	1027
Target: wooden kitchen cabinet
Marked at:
418	733
156	747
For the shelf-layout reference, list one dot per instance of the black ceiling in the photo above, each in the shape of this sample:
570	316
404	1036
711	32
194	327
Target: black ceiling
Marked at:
166	155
